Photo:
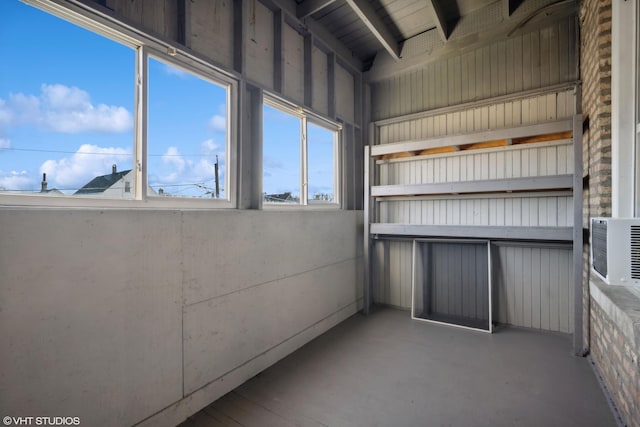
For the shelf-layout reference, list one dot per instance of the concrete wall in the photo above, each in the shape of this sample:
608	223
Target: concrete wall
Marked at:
115	316
127	316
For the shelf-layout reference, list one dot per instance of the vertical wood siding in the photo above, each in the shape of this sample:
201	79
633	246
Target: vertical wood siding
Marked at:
532	283
345	92
320	87
528	61
518	161
533	287
501	114
155	15
212	30
392	264
260	43
452	281
503	211
293	64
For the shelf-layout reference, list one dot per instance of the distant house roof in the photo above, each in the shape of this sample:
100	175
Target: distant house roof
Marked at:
52	191
101	183
279	198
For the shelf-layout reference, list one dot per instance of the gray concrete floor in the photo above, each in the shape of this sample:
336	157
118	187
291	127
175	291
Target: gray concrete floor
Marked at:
388	370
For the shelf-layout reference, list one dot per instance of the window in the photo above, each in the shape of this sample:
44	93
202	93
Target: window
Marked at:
300	157
66	113
281	152
187	133
321	164
109	118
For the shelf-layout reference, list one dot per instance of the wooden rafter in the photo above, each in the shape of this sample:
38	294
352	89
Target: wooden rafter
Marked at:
440	19
309	7
374	23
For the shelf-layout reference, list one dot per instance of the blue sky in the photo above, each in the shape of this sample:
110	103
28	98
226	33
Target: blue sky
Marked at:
60	98
186	131
67	109
281	149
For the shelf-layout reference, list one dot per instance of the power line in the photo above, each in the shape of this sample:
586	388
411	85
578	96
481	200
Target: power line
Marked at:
36	190
37	150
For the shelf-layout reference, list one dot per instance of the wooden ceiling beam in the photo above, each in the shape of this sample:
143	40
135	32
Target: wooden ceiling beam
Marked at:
374	23
309	7
440	19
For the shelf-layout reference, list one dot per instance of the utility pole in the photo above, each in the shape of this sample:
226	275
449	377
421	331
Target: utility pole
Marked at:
217	179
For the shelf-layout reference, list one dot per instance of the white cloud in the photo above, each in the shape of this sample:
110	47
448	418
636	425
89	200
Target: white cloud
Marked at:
15	180
209	147
204	170
6	115
23	105
62	97
175	161
5	143
179	169
85	164
64	109
175	71
218	123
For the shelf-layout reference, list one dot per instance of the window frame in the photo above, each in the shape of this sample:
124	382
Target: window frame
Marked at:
143	45
306	116
637	111
212	76
625	110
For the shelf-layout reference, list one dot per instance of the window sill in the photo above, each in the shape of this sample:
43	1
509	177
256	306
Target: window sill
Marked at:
621	304
168	203
296	207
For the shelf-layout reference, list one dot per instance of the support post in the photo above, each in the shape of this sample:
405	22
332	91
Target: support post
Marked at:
308	70
238	37
250	147
331	85
367	242
278	51
578	342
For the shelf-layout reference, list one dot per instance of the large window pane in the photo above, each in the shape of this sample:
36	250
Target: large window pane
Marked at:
187	134
281	156
66	108
321	164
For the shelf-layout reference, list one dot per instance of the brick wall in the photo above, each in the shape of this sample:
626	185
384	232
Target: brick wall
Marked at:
617	358
595	61
595	73
618	362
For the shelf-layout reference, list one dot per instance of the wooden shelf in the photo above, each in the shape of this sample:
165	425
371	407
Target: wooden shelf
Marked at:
538	183
474	231
549	131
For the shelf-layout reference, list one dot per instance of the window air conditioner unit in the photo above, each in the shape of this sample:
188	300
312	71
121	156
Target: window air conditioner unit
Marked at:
615	250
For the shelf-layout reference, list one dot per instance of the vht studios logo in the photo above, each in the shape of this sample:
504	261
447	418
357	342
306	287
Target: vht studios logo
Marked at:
41	421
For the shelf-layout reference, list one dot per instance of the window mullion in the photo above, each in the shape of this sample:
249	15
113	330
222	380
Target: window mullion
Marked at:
303	162
140	161
338	159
